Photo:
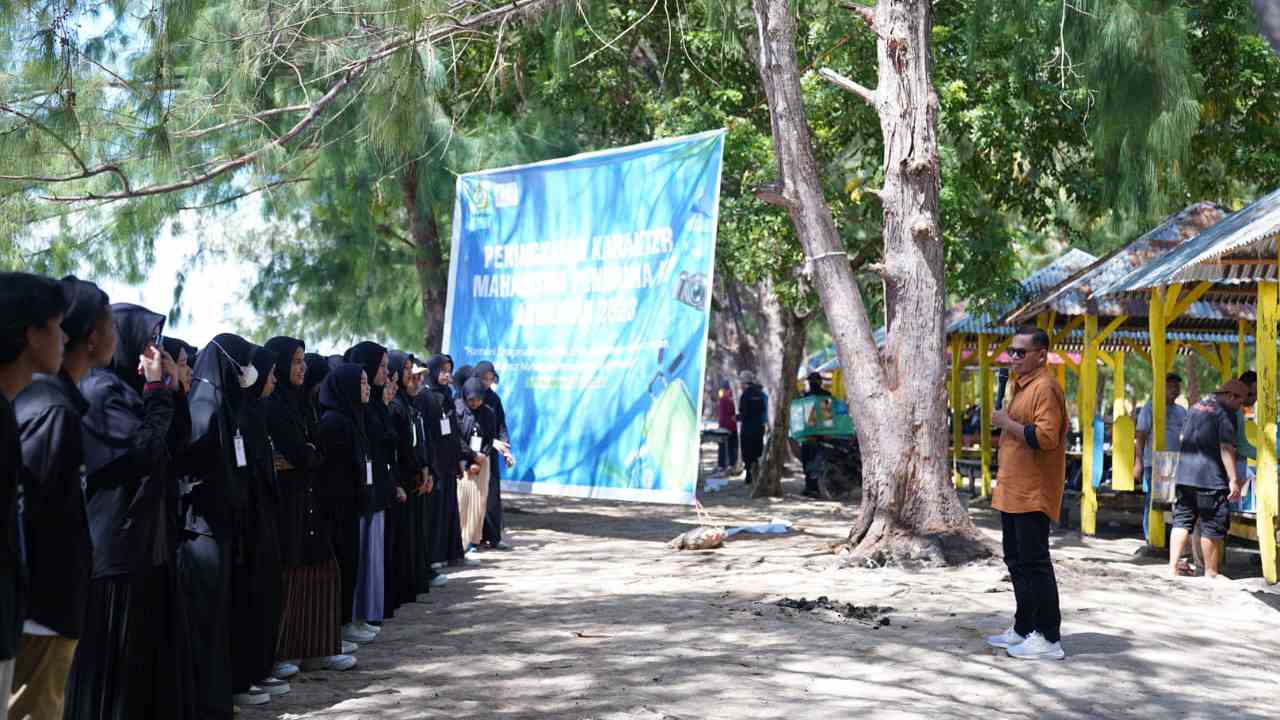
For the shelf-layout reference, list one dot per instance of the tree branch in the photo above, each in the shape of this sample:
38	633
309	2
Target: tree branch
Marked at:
245	194
774	194
845	83
349	74
867	13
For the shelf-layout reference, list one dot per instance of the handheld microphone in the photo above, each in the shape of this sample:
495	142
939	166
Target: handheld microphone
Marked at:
1002	377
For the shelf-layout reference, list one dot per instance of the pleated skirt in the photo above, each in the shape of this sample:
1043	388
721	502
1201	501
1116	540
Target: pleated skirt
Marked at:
309	626
370	578
473	501
133	661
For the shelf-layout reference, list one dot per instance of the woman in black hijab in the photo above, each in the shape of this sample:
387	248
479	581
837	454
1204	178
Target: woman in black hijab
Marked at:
133	661
346	477
486	373
371	600
478	428
312	583
460	377
446	462
223	464
402	556
317	370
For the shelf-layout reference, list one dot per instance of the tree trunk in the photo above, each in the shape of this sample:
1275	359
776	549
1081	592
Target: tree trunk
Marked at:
1190	367
792	336
432	282
910	511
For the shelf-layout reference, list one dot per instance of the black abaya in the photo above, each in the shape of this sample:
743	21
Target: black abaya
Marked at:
134	660
446	453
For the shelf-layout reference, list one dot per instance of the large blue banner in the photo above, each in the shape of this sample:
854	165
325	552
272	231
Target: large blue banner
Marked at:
587	282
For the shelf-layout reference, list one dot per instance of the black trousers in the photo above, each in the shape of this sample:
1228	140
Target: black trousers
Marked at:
1026	553
728	451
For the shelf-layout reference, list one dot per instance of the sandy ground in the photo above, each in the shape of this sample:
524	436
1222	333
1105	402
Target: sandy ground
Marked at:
591	616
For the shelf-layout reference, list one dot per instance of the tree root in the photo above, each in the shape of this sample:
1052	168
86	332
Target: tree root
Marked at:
885	545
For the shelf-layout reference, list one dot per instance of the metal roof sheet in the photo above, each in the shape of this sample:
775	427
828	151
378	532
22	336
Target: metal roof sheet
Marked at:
1072	296
1250	232
1036	283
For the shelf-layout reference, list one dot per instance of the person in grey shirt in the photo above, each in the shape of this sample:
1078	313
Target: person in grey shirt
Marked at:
1174	417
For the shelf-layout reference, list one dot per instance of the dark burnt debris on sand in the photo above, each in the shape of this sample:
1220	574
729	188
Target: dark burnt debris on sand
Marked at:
876	615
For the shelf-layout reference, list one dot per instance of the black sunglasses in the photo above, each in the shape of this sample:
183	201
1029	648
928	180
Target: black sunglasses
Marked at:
1019	352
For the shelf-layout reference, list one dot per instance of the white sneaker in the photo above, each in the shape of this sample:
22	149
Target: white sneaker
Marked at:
1035	647
349	647
255	696
1006	639
274	686
285	669
366	627
333	662
440	580
437	565
354	633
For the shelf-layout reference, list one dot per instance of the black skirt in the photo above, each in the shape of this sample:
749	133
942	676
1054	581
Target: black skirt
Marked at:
133	661
400	586
446	535
419	516
493	523
256	579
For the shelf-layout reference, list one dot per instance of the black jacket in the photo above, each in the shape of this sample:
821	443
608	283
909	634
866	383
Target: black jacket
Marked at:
12	480
753	409
59	549
480	423
126	457
446	451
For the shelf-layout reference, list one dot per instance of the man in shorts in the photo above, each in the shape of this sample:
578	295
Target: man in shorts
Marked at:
1206	476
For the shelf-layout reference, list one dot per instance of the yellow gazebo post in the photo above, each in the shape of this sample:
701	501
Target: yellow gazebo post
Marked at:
1122	431
1265	347
1155	321
1088	399
957	409
984	394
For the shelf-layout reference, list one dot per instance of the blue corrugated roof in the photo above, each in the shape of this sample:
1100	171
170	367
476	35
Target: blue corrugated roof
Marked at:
1037	282
1251	231
1072	296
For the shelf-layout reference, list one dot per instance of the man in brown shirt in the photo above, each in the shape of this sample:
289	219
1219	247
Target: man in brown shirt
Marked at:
1028	494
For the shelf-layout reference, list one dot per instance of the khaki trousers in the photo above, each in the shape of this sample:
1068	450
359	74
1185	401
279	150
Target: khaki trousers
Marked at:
473	500
40	677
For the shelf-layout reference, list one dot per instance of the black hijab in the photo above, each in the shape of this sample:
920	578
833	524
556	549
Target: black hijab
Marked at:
460	377
176	347
216	384
340	392
285	348
484	366
369	354
434	365
317	369
136	327
473	388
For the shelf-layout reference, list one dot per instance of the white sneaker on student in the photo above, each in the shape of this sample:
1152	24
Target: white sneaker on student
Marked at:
255	696
366	627
1035	647
440	580
354	633
349	647
274	686
1006	639
437	565
285	669
333	662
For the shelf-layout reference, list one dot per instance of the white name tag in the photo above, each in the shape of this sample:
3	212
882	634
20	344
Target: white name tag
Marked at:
445	428
475	443
368	473
239	443
413	427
